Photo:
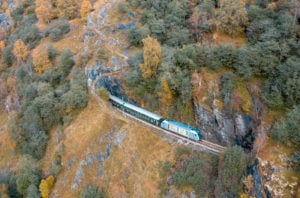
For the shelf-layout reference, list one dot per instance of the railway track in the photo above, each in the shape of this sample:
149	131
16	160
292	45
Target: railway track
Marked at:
204	144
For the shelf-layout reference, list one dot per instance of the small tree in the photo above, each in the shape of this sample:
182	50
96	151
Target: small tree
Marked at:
46	186
166	96
67	8
40	59
43	10
231	17
85	9
152	57
20	50
232	166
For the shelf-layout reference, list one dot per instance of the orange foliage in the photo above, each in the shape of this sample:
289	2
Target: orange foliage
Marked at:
85	9
43	10
11	83
152	57
2	45
166	96
20	50
40	58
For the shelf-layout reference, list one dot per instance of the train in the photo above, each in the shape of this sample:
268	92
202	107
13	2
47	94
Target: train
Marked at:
167	124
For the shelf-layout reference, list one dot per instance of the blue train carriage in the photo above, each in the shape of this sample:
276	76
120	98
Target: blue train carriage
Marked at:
136	111
182	129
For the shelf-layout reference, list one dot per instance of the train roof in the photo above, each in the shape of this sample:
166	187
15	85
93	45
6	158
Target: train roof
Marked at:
181	125
143	111
135	108
116	99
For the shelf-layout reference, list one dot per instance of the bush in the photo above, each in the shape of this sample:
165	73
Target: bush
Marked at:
136	35
66	62
287	130
52	52
228	84
122	7
17	13
91	192
232	167
7	56
57	29
103	93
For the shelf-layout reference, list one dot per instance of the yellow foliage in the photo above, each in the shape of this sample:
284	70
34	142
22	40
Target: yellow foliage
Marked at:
20	50
67	8
152	57
103	93
85	9
43	10
46	186
166	96
40	58
246	100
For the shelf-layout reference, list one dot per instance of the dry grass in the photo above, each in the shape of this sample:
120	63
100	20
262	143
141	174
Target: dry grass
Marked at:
8	156
130	170
245	100
222	38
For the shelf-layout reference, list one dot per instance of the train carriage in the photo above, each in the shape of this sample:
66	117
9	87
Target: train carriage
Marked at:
181	129
136	111
170	125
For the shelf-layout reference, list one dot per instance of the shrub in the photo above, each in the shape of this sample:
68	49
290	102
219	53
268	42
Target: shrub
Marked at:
232	166
103	93
228	84
91	192
7	56
57	29
136	35
122	7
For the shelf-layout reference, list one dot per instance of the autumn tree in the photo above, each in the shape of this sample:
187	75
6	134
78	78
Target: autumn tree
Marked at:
152	57
67	8
166	96
40	58
85	9
43	10
20	50
231	17
46	186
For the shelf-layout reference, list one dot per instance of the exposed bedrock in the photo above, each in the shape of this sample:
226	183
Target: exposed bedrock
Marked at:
225	129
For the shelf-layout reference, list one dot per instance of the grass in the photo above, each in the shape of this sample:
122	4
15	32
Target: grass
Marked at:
8	157
243	94
222	38
130	169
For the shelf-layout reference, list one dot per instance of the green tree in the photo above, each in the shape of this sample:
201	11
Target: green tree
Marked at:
282	87
136	35
228	84
287	130
232	166
231	17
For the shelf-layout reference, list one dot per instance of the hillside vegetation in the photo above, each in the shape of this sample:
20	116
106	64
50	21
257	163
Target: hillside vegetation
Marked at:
231	68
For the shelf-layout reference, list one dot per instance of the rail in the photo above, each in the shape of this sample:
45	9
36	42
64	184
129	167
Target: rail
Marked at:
212	147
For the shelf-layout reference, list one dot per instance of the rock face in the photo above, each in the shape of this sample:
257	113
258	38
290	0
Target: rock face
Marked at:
219	127
5	21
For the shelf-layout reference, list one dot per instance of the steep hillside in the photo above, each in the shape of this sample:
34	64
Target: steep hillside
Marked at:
229	68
